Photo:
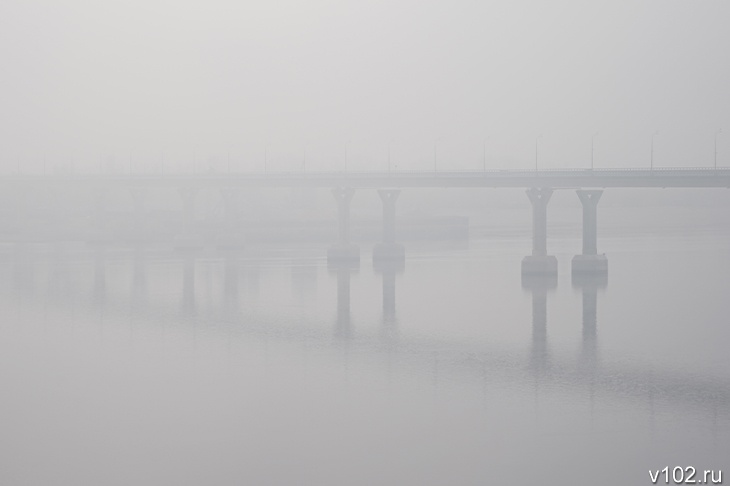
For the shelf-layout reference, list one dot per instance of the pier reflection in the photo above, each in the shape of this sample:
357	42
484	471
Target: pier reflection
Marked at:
151	302
589	286
539	286
389	269
343	270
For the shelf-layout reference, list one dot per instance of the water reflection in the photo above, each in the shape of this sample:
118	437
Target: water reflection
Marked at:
438	356
589	285
304	279
343	270
539	286
388	269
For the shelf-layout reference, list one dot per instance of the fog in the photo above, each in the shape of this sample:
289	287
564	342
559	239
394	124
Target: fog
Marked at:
357	243
88	84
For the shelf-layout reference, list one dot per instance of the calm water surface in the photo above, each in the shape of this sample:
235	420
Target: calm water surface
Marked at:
151	367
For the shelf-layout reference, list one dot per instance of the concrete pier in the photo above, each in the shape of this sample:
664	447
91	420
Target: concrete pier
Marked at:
343	250
389	249
539	263
590	261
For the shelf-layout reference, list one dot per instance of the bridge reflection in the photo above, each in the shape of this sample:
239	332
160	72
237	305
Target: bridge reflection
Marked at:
585	374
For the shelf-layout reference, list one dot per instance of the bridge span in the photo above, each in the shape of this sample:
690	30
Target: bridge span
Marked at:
539	184
554	178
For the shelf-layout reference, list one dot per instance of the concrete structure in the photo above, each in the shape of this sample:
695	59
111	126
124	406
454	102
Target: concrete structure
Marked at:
539	263
23	222
343	250
389	249
557	178
590	261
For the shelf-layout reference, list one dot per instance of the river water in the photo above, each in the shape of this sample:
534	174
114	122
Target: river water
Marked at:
124	366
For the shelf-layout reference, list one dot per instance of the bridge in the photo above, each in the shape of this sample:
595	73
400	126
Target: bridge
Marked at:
555	178
540	184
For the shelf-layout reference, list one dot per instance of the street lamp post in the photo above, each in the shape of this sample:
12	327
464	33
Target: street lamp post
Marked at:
536	139
593	139
651	164
716	134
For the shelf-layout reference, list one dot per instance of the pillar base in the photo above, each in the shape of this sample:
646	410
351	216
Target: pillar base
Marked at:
383	266
389	251
595	264
343	253
540	265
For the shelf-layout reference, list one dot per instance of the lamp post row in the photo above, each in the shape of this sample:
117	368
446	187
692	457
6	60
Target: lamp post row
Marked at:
435	155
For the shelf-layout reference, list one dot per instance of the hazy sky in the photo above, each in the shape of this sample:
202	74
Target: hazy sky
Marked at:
85	82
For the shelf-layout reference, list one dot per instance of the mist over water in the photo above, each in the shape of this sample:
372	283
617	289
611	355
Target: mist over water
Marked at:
288	243
124	365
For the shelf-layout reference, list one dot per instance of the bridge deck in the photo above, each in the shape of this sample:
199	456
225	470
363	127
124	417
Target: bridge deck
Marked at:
555	178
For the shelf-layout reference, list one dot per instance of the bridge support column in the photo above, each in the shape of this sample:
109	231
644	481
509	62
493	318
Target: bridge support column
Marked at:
343	250
590	261
187	240
389	249
539	263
